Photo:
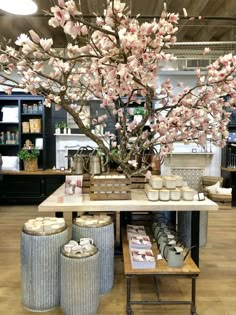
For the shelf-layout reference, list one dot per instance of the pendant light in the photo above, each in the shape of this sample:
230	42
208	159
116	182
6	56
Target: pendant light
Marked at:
19	7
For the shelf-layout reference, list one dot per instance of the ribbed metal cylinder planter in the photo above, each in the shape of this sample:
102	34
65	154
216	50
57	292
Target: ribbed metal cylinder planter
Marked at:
103	237
80	278
40	273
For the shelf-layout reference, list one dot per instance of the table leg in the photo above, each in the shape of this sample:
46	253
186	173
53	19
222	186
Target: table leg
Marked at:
118	240
193	304
128	295
195	221
232	184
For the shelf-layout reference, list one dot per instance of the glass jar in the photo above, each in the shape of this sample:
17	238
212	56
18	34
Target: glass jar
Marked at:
175	194
156	182
152	194
170	182
188	194
164	195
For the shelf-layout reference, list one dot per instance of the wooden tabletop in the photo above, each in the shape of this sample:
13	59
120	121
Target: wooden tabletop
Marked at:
58	201
189	267
38	172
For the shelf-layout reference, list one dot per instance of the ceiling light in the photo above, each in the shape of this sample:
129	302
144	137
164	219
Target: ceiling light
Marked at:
21	7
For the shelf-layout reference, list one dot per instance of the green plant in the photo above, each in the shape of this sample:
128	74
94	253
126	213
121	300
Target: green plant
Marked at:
61	124
13	129
28	154
139	111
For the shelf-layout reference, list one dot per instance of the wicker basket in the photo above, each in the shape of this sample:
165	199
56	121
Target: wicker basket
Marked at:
211	180
220	198
35	125
31	165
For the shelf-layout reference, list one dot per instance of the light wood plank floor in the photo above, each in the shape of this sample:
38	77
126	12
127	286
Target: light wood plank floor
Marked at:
216	286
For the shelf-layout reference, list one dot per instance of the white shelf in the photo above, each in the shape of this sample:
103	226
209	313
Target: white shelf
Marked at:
191	153
70	134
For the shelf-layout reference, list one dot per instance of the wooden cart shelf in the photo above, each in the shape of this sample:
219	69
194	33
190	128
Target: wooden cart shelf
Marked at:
189	270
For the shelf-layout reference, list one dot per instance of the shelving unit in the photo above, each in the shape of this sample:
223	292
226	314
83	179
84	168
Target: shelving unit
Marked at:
12	133
189	271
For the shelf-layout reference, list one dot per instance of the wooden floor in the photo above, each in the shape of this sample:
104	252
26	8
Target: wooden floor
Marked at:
216	286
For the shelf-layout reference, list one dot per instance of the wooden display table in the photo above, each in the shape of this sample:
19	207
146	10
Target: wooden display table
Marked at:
189	270
59	202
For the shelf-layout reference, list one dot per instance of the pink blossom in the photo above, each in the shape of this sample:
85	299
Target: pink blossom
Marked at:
185	12
148	175
117	126
34	36
7	90
3	58
46	43
99	21
206	50
61	3
72	8
119	62
22	39
134	163
53	22
107	135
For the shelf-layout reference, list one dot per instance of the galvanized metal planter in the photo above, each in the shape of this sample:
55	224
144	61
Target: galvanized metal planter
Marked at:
40	272
80	278
103	237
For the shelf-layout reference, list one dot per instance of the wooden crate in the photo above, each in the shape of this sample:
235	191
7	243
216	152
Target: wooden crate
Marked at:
86	184
110	187
138	182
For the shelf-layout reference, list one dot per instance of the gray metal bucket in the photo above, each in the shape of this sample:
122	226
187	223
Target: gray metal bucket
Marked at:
40	272
103	237
80	278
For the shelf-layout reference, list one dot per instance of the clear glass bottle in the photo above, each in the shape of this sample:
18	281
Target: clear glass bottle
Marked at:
8	137
40	107
35	108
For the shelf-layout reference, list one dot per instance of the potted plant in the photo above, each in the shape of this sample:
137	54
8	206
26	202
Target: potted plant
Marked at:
139	112
29	158
61	127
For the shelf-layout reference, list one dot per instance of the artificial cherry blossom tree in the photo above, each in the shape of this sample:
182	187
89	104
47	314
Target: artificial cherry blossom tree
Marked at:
116	60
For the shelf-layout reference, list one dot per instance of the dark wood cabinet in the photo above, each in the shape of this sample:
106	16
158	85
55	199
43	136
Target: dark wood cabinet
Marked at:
28	188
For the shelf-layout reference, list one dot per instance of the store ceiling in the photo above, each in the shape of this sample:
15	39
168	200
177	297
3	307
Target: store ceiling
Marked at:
218	22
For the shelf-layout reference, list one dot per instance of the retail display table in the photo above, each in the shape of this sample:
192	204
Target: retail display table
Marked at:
59	202
189	270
